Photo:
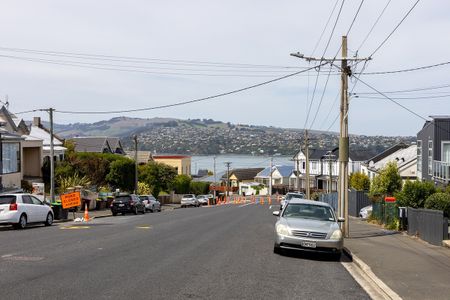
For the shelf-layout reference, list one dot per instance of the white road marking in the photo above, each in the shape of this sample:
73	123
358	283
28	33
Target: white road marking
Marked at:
245	204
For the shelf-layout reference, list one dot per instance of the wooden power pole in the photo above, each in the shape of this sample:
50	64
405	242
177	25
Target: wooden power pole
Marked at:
307	186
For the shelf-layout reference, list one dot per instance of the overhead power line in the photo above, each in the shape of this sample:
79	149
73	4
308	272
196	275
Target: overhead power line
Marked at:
141	59
436	87
178	103
405	98
395	28
374	25
406	70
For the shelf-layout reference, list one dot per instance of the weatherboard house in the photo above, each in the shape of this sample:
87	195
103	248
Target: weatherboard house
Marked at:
98	144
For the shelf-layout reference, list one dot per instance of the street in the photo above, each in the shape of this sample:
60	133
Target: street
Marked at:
220	252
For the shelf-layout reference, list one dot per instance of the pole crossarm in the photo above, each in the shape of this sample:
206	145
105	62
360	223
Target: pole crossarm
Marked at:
321	59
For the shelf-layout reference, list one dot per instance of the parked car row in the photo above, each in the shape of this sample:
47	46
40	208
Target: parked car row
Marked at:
195	201
130	203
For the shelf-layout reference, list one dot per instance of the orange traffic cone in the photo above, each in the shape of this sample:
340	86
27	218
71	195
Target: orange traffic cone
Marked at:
86	213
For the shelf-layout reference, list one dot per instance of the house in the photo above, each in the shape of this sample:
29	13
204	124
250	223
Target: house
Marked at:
280	176
322	163
375	159
39	132
433	150
92	144
21	154
181	163
245	175
404	157
143	157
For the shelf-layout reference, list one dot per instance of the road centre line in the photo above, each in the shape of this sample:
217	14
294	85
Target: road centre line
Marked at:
75	227
245	204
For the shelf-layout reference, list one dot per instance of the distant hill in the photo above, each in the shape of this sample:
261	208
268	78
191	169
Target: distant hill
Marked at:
206	136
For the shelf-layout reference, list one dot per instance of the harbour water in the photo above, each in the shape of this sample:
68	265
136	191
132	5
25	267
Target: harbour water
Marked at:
237	161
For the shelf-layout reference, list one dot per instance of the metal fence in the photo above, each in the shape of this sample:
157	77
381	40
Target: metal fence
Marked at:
429	225
356	201
331	199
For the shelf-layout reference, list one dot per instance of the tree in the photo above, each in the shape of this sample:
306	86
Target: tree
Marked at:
181	184
387	182
159	176
414	193
199	188
144	188
359	181
121	174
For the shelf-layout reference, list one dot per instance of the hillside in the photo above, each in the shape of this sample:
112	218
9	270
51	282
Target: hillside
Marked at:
203	137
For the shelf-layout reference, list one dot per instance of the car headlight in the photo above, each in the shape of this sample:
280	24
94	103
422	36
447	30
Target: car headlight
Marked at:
337	235
282	229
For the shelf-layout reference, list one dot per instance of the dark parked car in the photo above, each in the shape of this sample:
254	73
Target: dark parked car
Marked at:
127	204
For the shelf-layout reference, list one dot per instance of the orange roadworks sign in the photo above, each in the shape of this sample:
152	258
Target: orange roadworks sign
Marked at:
70	200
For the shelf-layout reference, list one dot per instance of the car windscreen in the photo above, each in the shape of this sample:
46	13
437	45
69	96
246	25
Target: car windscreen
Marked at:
7	199
144	197
308	211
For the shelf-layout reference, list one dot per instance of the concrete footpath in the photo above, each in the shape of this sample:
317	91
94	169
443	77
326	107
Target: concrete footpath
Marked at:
413	269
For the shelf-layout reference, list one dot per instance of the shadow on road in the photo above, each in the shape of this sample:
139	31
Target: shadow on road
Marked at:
313	256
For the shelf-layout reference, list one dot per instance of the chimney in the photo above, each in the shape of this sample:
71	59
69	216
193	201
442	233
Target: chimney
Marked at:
37	121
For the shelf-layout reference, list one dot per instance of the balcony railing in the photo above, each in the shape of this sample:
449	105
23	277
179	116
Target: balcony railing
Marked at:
441	170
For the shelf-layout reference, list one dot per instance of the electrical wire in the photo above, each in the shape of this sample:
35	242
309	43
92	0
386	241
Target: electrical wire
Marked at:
141	59
407	70
395	28
409	90
405	98
374	25
324	52
183	102
325	27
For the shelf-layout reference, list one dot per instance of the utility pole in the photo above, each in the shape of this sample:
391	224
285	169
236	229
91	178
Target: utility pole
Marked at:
330	156
135	164
270	176
343	139
307	186
215	177
52	158
298	175
228	177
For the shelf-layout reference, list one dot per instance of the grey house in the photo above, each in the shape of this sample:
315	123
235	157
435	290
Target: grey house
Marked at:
433	150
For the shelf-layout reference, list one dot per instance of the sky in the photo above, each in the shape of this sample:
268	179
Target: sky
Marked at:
244	43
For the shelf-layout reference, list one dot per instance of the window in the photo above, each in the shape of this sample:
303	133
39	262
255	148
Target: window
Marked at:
430	157
36	201
11	157
419	156
446	151
303	165
26	199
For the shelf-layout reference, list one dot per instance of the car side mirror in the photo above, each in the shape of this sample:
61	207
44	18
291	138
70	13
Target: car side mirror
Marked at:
341	220
276	213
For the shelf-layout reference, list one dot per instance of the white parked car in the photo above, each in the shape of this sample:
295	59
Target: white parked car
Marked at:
365	212
189	200
22	209
150	203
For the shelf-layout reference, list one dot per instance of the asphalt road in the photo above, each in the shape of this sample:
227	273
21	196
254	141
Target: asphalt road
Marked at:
221	252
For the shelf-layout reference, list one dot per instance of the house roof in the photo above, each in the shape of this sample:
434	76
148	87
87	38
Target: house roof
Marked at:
91	144
402	157
246	173
170	156
143	156
114	142
362	155
285	171
40	133
219	177
387	152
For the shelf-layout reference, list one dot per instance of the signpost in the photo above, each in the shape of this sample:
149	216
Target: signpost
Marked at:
70	200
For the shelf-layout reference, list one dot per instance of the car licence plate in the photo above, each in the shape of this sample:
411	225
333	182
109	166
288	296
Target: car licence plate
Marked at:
121	205
309	244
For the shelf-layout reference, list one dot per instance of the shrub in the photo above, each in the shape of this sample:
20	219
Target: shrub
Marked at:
72	181
359	181
387	183
439	201
414	193
181	184
199	188
144	188
121	174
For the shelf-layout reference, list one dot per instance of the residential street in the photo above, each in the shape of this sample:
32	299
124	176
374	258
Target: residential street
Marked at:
223	252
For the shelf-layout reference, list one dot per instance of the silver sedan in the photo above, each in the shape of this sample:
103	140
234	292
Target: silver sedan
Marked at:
150	203
309	226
